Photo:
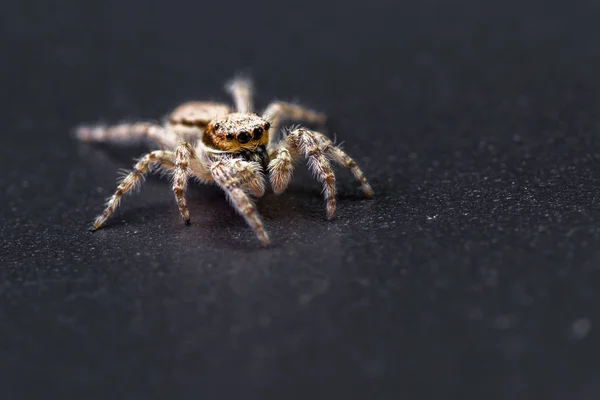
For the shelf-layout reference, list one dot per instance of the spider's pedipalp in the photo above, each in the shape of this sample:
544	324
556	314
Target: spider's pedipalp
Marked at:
281	168
126	133
226	177
250	175
131	180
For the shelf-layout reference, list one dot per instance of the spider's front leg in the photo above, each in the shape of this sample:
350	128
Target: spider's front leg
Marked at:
226	173
250	175
165	159
318	149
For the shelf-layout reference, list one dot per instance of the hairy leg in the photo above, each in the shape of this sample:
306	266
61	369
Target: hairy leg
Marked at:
183	156
318	149
125	133
249	174
281	165
228	179
278	111
339	156
305	142
165	159
241	90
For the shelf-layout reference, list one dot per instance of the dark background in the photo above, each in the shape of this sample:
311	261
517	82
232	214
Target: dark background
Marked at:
472	274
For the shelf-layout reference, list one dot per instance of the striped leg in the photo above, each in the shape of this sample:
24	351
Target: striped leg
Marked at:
318	149
125	133
306	142
229	180
184	154
339	156
165	159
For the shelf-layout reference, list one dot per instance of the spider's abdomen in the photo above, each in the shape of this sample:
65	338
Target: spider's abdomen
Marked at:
189	120
197	113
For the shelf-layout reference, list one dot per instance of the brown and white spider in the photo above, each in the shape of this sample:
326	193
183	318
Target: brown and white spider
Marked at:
209	142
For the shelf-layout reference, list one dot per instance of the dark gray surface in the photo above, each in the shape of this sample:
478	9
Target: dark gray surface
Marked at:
473	273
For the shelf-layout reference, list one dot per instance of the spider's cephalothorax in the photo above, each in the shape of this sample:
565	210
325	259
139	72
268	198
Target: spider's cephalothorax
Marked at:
234	150
244	134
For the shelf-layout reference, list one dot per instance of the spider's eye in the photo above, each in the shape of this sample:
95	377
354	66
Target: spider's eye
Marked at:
229	136
217	125
267	126
258	133
243	137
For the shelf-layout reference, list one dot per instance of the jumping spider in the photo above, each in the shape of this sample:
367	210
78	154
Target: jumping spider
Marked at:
233	149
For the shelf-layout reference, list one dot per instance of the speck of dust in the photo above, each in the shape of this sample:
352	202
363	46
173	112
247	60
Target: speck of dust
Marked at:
581	328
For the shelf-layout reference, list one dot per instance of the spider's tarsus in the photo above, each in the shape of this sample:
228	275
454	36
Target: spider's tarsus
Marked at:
187	222
92	229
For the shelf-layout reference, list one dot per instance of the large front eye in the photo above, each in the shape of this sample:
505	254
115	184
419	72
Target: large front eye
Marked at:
243	137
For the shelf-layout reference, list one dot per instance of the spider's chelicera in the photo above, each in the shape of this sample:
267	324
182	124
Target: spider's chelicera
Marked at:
235	149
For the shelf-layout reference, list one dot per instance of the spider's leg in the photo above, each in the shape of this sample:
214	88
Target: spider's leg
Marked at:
184	155
318	150
305	142
250	175
278	111
165	159
127	133
339	156
226	176
241	91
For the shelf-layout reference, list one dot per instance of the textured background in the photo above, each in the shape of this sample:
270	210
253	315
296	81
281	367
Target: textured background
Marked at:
473	273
